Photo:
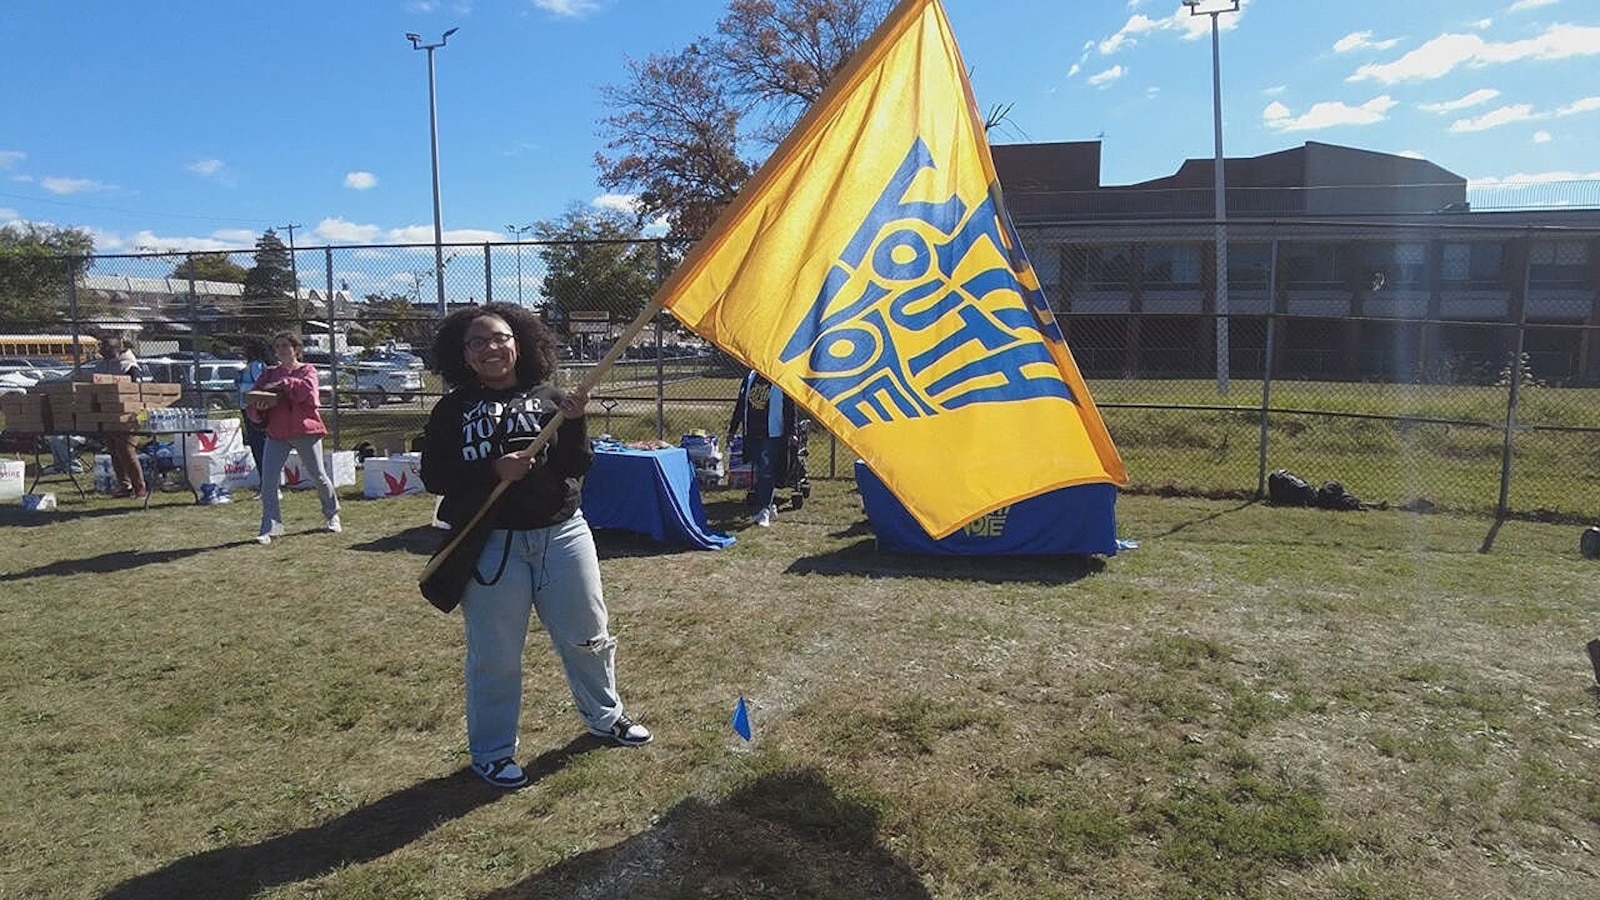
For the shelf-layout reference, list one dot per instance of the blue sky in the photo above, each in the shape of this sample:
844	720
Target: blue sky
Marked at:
196	125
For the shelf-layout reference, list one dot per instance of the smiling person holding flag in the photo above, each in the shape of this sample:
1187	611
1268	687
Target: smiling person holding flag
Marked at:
534	551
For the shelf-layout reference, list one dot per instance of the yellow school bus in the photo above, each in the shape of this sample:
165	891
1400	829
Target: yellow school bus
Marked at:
58	347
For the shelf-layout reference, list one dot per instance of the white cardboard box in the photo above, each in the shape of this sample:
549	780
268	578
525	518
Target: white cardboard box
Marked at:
393	476
233	469
12	472
339	464
226	434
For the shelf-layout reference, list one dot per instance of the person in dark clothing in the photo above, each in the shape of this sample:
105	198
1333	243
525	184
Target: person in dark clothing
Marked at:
259	357
767	419
499	361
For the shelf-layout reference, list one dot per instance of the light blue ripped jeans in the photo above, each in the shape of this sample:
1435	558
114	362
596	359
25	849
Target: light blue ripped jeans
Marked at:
555	572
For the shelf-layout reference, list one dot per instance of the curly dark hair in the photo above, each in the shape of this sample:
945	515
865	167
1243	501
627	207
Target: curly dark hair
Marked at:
536	344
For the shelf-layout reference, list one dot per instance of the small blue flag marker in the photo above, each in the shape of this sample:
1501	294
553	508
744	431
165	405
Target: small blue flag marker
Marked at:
741	719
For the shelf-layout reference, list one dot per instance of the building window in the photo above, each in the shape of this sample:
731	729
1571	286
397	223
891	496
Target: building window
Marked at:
1312	266
1393	265
1249	265
1099	268
1478	262
1165	265
1558	263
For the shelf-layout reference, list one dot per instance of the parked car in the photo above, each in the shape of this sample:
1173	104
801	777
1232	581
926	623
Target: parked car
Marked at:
368	386
38	369
217	388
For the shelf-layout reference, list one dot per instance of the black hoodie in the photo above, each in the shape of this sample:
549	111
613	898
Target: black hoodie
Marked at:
473	426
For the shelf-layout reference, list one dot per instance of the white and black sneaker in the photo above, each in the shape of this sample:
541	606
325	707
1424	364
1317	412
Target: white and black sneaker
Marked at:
626	732
502	773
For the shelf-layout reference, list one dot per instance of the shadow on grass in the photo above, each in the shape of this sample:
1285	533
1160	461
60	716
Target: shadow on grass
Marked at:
358	836
786	834
863	558
115	561
17	517
1183	526
420	540
612	543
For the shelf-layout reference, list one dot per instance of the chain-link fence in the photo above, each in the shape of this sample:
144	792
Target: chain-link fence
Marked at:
1444	366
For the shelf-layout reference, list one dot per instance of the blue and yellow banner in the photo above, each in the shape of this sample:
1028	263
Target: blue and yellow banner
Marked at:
870	270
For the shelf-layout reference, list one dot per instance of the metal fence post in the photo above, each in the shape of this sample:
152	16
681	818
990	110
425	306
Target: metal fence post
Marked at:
661	372
488	274
1266	367
333	339
1520	301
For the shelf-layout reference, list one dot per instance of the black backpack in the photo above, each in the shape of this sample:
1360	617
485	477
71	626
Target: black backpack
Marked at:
1284	488
1332	495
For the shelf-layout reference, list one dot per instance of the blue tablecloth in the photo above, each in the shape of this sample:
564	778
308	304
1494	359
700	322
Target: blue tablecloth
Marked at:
651	492
1075	520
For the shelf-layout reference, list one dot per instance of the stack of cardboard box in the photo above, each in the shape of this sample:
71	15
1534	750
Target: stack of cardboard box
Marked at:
26	413
110	403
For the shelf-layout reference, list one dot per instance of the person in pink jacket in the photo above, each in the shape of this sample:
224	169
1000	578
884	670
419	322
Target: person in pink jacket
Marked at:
293	422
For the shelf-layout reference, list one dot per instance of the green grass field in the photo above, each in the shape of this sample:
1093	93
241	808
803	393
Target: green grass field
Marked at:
1256	703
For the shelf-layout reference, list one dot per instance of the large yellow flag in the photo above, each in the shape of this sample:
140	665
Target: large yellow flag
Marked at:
870	270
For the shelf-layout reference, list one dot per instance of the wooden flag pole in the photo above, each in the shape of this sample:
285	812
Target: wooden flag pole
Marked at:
618	346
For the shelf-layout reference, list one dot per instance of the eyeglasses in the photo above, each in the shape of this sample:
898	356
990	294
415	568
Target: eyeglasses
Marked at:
497	340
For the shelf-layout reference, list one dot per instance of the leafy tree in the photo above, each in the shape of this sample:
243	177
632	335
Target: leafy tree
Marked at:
271	302
37	262
595	260
210	267
678	127
393	317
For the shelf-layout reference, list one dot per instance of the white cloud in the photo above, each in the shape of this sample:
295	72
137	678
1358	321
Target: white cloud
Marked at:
1444	54
8	215
9	158
205	168
1073	72
1523	179
1188	26
570	9
627	203
1476	98
1541	137
1587	104
1327	115
149	241
70	185
1521	5
340	231
1483	24
1277	90
360	181
240	236
1104	78
1505	115
1361	40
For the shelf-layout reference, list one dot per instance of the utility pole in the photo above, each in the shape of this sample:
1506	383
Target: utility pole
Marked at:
294	272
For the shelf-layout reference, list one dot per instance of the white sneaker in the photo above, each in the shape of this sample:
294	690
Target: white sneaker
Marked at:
765	517
266	537
333	524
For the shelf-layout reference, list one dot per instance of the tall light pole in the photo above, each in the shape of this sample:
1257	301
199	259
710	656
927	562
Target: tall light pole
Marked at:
1219	186
519	231
433	133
